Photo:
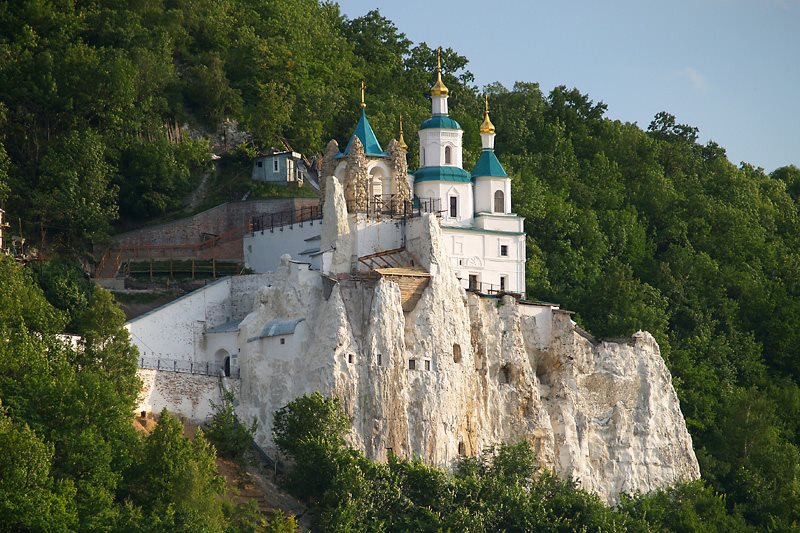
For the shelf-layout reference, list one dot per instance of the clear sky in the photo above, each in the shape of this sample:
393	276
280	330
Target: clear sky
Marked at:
729	67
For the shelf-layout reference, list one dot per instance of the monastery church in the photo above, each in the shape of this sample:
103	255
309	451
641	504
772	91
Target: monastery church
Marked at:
484	239
362	236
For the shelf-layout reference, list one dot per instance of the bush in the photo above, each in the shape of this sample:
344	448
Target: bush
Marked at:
231	437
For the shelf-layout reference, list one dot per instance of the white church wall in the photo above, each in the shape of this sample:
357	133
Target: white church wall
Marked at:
499	222
174	331
263	249
376	235
479	253
243	291
542	316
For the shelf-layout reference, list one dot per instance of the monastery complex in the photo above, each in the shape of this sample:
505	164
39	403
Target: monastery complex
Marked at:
406	300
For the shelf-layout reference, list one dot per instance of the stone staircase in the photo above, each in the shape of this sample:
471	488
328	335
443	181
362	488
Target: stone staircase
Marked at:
399	266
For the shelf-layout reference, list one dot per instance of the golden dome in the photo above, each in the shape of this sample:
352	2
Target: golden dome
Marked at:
402	142
439	88
486	125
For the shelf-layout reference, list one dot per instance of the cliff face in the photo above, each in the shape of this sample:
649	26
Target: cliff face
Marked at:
485	371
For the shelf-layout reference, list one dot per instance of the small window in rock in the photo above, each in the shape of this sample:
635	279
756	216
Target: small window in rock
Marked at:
456	353
349	358
505	374
462	449
379	359
412	364
427	364
283	341
389	452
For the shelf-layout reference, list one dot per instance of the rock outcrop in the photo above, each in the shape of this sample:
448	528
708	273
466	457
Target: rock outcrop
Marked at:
461	372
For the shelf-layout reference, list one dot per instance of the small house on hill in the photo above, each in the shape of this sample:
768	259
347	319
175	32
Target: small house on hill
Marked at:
284	167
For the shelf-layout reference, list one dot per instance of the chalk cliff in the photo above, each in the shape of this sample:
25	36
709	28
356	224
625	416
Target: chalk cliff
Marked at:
485	371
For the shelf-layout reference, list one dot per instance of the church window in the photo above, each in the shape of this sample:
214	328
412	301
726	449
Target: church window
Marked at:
274	165
456	353
473	282
499	202
412	364
503	283
260	164
283	340
422	157
448	156
453	206
504	250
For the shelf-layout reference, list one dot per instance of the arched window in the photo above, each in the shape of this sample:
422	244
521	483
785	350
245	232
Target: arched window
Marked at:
499	202
462	449
448	156
422	157
456	353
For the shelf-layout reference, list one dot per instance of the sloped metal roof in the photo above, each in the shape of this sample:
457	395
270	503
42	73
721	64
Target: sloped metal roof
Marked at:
278	327
227	327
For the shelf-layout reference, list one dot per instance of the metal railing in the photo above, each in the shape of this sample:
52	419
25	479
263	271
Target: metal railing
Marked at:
272	221
491	289
187	367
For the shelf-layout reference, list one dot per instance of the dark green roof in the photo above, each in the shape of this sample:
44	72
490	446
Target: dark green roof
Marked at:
440	121
488	165
367	137
442	174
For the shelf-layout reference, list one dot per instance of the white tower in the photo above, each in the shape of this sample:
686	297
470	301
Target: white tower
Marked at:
441	176
492	184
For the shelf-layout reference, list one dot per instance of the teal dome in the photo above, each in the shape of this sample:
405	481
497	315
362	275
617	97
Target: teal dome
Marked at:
442	174
488	165
367	137
440	121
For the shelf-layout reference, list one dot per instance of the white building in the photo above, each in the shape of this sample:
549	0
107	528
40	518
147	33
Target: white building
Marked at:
485	240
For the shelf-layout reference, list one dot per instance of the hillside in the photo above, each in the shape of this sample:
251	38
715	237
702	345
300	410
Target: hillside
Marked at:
631	228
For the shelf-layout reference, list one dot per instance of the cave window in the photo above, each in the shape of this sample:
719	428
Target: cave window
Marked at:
462	449
349	358
379	359
456	353
427	364
412	364
505	374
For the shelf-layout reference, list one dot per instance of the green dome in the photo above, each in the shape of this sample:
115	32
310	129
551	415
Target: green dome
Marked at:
488	165
442	174
440	121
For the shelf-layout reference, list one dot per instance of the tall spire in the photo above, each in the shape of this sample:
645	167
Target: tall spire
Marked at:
487	126
363	87
439	89
402	141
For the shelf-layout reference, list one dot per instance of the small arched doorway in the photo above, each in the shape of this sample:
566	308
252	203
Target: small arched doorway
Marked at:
223	360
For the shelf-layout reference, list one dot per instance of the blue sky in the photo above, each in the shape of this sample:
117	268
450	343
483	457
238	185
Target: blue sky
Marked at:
729	67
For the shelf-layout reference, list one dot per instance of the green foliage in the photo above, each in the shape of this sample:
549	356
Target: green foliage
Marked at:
30	499
175	480
231	438
311	431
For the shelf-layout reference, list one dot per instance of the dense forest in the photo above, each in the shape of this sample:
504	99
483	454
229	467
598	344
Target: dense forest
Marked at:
631	228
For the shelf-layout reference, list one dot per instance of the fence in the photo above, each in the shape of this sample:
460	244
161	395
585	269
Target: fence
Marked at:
187	367
271	221
491	289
